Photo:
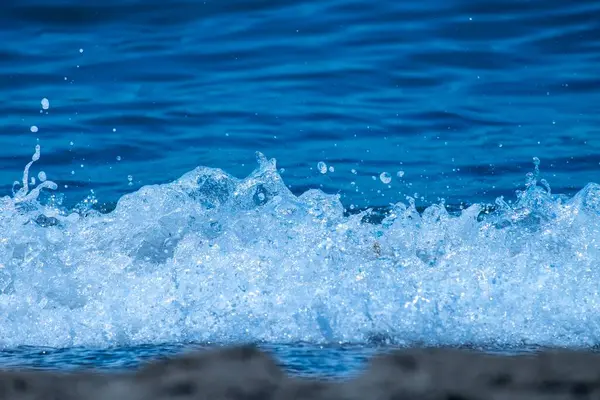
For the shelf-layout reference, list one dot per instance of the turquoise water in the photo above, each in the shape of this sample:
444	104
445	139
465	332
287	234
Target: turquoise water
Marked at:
432	113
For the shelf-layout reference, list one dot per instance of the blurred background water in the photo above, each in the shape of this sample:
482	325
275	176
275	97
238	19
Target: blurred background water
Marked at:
446	99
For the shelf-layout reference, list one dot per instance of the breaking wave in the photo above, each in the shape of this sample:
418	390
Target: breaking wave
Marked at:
213	258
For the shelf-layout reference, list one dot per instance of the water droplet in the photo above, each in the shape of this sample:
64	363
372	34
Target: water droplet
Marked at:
34	128
536	161
118	158
500	145
281	170
385	177
400	174
71	143
114	129
130	179
81	50
322	167
353	171
261	196
331	169
36	155
45	103
42	176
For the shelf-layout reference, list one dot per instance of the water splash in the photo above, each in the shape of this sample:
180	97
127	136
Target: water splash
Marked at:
23	194
210	257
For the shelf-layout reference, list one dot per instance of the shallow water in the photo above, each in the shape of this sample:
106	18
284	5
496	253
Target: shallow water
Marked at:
300	359
369	103
297	359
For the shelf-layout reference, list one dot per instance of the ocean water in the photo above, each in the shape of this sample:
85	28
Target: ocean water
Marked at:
330	179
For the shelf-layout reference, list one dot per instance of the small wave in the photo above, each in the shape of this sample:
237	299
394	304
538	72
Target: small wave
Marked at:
213	258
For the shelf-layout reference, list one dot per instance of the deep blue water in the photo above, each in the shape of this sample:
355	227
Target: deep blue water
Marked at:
452	99
459	95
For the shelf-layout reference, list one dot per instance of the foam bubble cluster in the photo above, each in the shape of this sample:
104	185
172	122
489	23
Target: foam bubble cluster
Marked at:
210	257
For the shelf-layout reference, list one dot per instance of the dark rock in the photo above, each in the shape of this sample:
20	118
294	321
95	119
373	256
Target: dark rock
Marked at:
245	373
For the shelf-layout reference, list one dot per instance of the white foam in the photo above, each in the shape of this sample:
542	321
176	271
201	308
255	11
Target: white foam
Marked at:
211	257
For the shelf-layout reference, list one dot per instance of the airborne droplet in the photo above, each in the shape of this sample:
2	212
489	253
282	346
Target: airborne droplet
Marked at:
385	177
322	167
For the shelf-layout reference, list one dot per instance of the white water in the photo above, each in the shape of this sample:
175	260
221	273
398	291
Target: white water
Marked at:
213	258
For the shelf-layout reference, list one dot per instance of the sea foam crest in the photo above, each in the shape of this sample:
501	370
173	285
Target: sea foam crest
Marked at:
210	257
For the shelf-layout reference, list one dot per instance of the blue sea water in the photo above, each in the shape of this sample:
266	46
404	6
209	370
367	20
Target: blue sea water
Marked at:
158	226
